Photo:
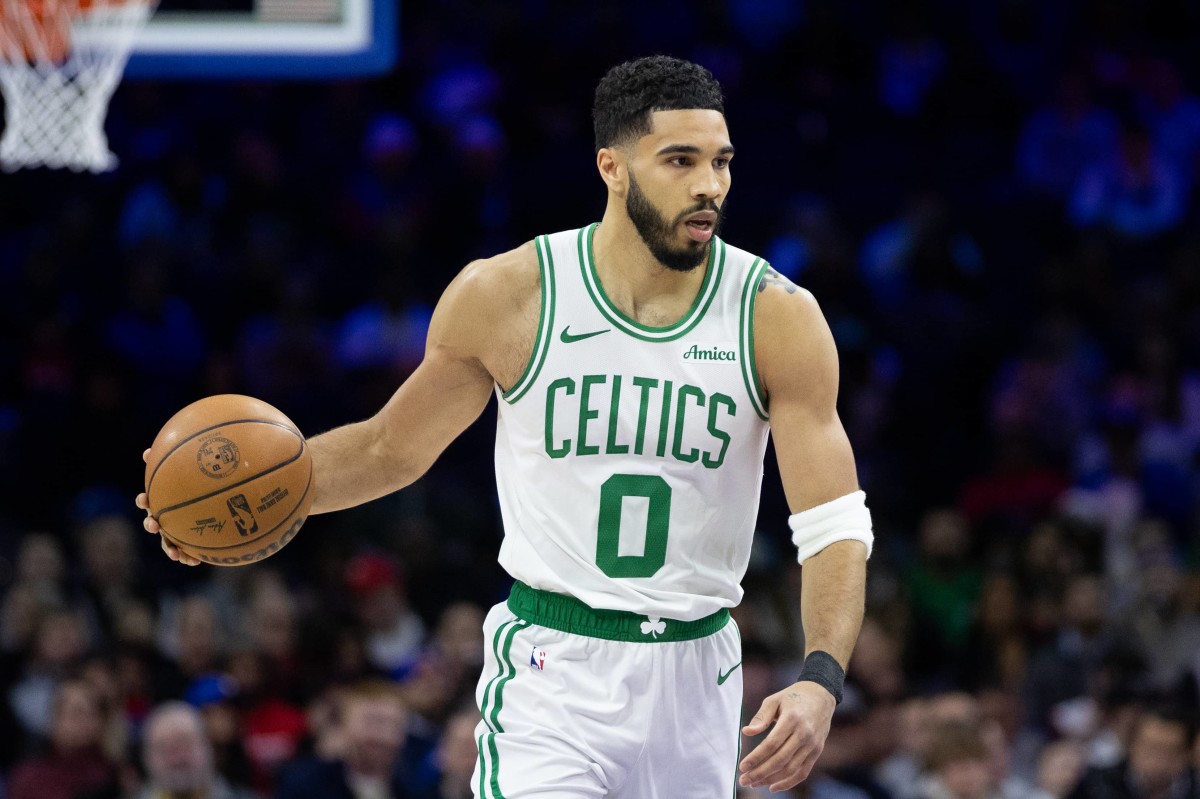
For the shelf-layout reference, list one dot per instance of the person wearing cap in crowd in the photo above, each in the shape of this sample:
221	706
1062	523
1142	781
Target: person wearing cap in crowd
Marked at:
214	696
394	632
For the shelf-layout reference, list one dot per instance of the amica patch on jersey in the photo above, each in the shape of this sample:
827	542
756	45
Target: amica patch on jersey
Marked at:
710	353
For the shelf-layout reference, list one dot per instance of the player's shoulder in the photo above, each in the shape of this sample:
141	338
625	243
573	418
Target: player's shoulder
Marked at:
753	274
495	287
512	272
779	301
777	291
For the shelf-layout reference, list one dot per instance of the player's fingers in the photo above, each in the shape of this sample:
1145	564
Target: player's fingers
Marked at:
142	501
146	456
763	718
178	555
776	763
800	773
151	524
767	749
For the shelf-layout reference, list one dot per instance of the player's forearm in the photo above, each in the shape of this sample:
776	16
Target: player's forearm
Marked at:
353	465
832	598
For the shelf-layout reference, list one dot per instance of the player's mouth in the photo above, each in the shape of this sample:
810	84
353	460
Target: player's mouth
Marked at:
700	226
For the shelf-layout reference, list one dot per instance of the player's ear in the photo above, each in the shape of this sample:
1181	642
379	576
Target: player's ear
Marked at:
614	169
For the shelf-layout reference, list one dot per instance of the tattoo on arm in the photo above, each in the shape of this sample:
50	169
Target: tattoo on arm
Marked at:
771	277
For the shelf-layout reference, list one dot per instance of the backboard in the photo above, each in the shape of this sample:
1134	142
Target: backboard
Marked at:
202	39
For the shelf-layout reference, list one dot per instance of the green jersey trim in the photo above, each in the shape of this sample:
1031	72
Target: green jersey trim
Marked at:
545	324
746	337
567	614
704	297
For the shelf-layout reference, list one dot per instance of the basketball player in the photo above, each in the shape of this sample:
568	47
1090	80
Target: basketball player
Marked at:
638	364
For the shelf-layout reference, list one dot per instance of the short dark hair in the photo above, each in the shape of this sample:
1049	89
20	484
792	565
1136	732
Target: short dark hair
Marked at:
1164	710
631	91
954	741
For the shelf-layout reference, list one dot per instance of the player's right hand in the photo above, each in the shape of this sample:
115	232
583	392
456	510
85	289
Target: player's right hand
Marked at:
151	525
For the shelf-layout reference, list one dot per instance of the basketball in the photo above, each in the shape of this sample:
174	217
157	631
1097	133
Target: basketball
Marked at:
229	479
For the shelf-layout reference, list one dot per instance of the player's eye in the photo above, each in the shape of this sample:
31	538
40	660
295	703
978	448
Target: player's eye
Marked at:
721	163
680	160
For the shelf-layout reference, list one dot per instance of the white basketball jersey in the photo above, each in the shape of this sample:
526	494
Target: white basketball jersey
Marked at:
629	459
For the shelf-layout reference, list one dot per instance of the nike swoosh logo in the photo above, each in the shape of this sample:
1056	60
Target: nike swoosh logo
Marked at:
721	678
568	338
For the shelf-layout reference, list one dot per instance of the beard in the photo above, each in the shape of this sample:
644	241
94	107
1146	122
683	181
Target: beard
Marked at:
658	233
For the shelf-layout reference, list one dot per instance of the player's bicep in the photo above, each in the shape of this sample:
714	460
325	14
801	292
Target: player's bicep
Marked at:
798	368
816	462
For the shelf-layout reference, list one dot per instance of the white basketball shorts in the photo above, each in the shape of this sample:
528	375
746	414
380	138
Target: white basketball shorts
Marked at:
582	703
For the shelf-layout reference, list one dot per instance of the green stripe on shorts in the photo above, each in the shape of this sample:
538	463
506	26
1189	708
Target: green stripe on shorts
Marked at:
482	766
494	701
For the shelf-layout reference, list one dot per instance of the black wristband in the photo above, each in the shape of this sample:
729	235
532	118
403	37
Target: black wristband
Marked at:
821	667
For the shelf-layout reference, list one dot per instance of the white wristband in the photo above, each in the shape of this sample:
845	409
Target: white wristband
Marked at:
842	519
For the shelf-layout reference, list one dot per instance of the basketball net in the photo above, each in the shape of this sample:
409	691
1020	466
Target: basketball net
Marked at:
60	61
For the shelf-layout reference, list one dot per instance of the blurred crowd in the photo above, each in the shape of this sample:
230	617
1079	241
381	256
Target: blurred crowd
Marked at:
994	203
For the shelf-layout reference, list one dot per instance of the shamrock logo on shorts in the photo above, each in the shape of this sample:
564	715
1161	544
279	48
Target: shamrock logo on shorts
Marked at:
654	626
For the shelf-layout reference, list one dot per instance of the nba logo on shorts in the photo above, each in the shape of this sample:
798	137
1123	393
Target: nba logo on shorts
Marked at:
537	660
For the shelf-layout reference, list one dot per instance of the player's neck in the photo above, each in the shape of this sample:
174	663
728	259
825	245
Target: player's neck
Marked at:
629	272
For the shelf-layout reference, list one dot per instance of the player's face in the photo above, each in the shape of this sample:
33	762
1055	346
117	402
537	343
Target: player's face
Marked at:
678	179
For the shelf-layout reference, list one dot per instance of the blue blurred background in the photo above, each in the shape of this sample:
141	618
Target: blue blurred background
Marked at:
993	202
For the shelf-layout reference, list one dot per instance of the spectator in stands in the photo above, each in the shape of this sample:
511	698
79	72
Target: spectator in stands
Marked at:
20	614
456	756
373	719
1085	644
900	772
944	585
40	564
215	697
1060	767
179	758
394	631
1157	766
196	644
76	764
994	653
268	726
58	647
956	766
111	585
875	667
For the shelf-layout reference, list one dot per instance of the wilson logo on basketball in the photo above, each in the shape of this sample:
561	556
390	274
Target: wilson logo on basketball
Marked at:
218	457
250	557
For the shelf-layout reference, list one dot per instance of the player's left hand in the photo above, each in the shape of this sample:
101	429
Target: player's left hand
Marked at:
801	715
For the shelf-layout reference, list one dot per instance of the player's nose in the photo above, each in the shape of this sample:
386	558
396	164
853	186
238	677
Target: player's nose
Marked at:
707	185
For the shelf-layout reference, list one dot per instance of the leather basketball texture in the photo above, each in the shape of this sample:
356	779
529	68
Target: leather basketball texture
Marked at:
229	479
